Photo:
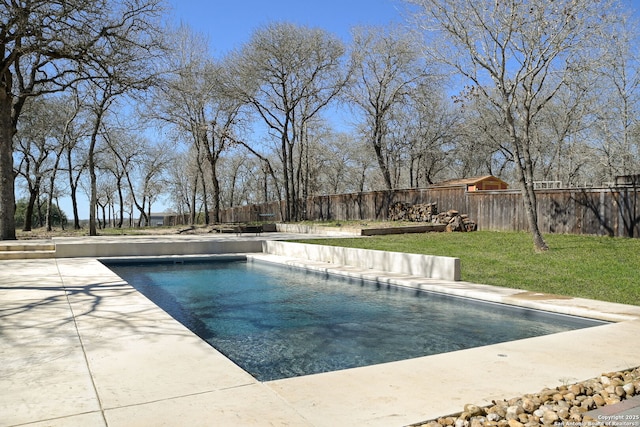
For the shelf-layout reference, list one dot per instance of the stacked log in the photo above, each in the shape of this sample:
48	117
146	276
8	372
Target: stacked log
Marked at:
422	212
428	212
455	221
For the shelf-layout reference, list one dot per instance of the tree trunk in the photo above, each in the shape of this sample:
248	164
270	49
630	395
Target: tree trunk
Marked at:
285	171
216	193
384	167
192	202
33	196
525	175
52	184
94	189
73	185
7	178
62	219
121	201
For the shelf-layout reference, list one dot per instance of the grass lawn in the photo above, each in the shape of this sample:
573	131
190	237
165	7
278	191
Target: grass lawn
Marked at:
602	268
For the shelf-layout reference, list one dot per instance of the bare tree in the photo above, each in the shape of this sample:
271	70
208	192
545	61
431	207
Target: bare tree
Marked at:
193	99
35	147
517	55
123	151
618	102
44	45
388	67
141	164
429	127
68	109
181	178
76	159
289	74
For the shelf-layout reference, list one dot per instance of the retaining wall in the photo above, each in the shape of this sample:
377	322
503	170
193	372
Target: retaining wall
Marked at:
153	248
434	267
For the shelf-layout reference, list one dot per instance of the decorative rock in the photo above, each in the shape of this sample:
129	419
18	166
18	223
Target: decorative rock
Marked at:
612	400
598	400
563	413
546	395
473	410
461	423
616	381
513	412
493	417
576	389
528	405
577	410
629	389
514	401
549	417
562	405
500	409
576	418
588	403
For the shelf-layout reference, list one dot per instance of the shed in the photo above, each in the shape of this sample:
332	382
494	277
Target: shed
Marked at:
486	182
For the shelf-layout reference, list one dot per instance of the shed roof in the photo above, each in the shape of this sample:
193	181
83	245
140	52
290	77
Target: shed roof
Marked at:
466	181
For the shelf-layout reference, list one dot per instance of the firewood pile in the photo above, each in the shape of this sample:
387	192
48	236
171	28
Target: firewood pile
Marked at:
455	221
428	212
422	212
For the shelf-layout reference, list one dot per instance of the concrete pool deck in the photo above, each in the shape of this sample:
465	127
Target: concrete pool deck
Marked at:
80	347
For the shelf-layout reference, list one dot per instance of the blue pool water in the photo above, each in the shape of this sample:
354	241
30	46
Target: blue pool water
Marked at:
278	322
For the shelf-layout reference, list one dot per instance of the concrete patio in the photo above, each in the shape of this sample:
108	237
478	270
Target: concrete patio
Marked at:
80	347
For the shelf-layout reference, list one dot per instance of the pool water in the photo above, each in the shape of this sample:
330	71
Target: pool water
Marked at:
278	322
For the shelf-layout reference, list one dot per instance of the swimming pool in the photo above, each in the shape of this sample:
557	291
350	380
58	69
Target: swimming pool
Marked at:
279	322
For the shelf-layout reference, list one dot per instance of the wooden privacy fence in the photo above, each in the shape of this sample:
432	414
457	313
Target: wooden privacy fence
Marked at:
599	211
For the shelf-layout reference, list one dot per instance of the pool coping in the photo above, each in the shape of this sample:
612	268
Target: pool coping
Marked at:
114	358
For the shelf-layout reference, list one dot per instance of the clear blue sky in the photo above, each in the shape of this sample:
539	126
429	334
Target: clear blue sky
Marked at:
229	24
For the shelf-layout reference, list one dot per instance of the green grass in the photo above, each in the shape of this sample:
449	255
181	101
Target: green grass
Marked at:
602	268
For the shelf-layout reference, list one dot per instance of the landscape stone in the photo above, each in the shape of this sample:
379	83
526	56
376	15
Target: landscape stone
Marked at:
550	407
549	417
513	412
599	400
515	423
629	389
528	405
473	410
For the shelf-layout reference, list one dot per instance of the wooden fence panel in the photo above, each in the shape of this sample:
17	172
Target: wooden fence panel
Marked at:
601	211
571	211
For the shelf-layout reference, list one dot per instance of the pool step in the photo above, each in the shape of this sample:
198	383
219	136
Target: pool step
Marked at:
27	249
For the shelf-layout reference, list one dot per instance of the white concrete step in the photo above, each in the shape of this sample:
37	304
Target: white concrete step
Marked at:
24	249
